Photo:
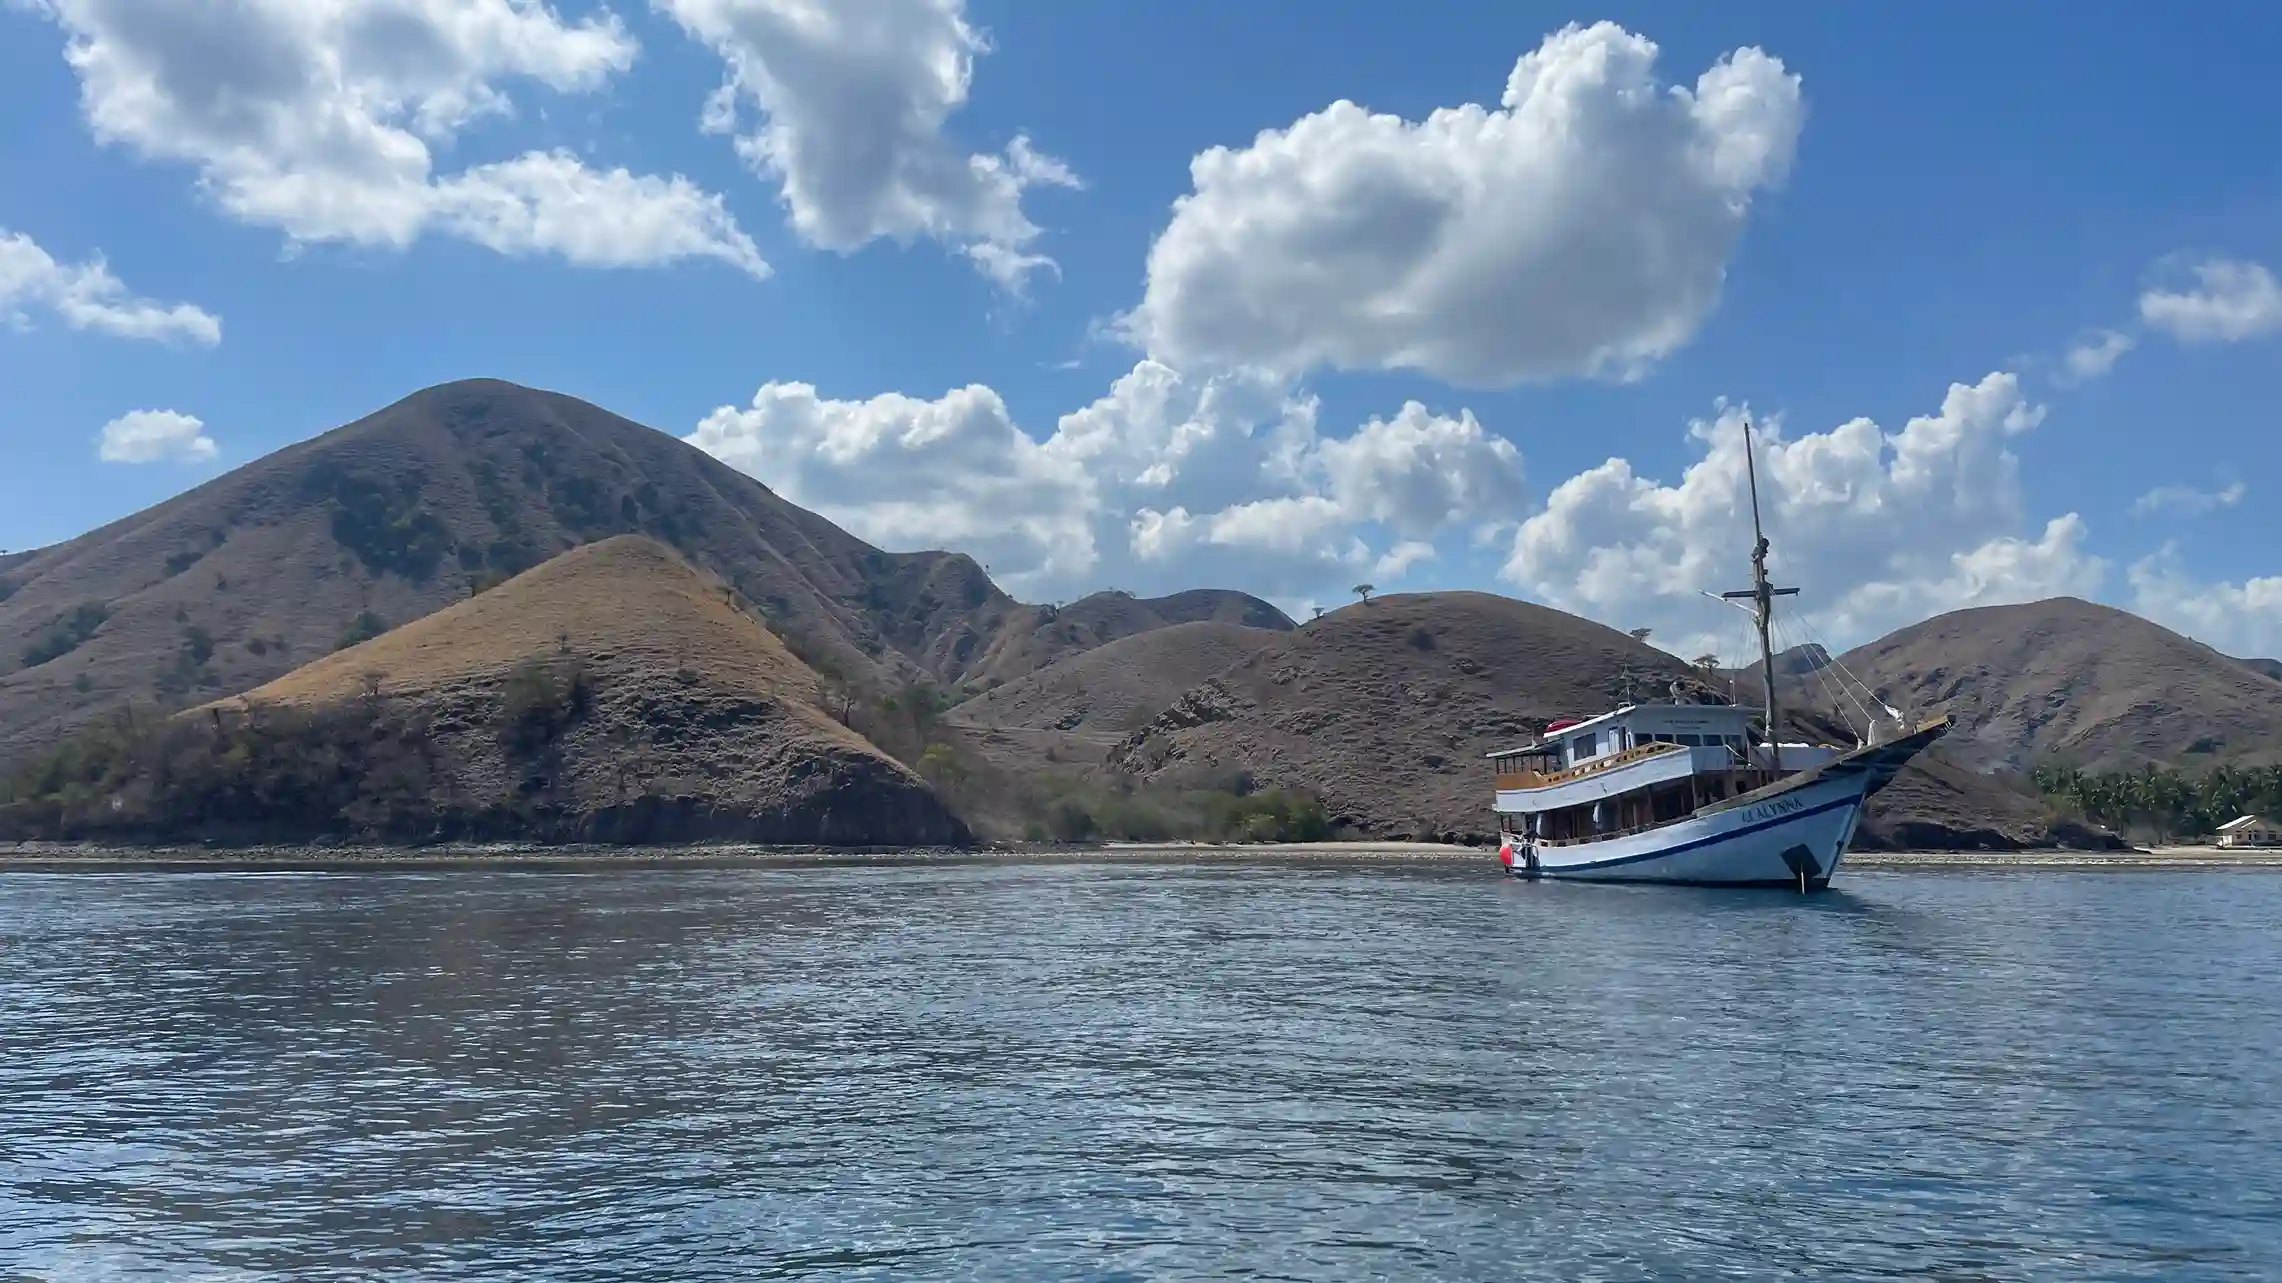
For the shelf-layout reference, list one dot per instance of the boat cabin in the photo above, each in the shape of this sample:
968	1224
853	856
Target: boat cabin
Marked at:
2250	831
1635	725
1638	767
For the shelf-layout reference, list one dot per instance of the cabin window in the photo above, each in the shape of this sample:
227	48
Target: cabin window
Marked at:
1692	741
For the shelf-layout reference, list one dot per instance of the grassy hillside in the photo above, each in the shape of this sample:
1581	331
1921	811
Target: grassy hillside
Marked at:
613	693
2068	680
1118	686
1386	709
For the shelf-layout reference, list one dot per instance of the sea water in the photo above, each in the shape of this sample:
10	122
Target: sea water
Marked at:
1135	1068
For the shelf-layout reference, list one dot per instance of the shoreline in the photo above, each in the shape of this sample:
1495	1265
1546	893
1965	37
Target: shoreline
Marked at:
35	856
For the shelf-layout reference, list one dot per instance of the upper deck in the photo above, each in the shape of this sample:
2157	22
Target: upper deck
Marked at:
1633	727
1635	747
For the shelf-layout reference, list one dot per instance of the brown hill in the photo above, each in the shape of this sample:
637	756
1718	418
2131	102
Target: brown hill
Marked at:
1047	634
1116	686
1385	710
613	693
2264	667
403	512
2072	681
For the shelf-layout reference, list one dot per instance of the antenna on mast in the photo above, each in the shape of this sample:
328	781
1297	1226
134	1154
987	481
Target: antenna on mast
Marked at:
1762	596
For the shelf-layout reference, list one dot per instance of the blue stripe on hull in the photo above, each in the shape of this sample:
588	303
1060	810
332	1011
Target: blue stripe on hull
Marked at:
1751	884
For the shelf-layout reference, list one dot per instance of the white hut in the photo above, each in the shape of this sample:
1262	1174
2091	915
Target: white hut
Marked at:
2250	830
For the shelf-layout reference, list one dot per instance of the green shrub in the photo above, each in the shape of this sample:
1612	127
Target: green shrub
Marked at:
581	505
383	525
363	628
540	701
69	633
942	766
1068	808
188	669
1271	815
1070	821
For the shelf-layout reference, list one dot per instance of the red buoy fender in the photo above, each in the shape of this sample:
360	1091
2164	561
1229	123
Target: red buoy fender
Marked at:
1505	854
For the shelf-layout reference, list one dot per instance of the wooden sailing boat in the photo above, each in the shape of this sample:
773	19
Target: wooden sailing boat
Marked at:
1684	793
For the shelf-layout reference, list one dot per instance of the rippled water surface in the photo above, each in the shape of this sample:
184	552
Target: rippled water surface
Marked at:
1135	1070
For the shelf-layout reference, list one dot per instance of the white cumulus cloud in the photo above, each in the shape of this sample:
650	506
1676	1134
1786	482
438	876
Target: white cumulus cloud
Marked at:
2243	619
154	436
324	120
2189	501
2093	355
852	104
1878	528
1419	471
1400	558
905	473
1165	481
1582	226
88	297
2228	302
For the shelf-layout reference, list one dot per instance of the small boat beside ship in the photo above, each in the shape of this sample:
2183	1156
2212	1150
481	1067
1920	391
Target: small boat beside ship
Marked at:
1686	793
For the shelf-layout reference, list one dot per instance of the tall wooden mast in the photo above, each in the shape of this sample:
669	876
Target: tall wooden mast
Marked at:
1762	596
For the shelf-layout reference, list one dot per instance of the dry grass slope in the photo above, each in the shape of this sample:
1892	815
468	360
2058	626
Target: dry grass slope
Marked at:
1385	710
613	693
1116	687
2073	681
627	607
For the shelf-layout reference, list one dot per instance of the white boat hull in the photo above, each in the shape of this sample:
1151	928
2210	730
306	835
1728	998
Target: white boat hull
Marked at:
1793	835
1792	840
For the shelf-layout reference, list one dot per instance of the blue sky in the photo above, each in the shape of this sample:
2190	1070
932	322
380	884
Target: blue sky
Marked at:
1859	211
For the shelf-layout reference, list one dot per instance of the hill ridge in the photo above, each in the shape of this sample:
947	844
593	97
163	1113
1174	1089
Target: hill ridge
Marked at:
403	511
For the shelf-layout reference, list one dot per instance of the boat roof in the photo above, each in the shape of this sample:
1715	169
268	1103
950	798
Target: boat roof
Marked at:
1591	723
1541	743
